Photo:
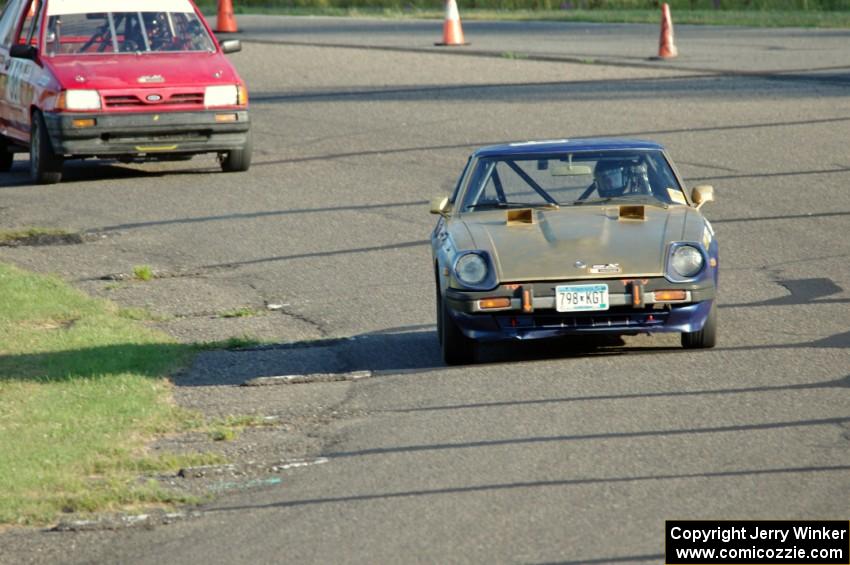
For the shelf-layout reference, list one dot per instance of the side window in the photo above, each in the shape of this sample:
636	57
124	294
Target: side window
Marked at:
8	19
29	31
664	180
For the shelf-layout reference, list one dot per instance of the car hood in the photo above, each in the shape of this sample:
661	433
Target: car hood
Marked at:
550	247
132	71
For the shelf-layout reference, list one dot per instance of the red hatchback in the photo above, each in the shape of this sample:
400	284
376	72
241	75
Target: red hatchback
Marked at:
133	80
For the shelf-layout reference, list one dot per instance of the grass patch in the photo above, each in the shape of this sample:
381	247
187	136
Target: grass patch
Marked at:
143	315
82	391
244	312
12	236
567	5
39	236
734	13
229	428
223	434
244	342
143	272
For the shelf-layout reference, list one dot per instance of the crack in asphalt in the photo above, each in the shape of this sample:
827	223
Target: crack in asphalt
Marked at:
556	483
570	438
206	269
164	274
317	325
50	239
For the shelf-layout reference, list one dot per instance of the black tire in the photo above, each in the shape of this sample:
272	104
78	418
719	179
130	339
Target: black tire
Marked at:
707	336
45	165
7	158
457	349
238	160
439	308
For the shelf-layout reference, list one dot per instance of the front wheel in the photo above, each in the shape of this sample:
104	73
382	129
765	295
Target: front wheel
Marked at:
707	336
457	349
237	160
45	165
439	304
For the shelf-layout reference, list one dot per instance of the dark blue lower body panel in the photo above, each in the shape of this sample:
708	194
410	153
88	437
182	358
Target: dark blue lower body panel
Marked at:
545	324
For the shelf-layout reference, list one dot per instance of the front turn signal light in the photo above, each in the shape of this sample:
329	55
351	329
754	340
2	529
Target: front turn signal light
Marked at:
670	295
494	303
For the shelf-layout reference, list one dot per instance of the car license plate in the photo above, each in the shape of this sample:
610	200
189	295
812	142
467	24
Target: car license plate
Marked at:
581	297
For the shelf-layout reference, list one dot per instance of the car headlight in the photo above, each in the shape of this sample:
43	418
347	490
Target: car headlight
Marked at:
686	261
80	100
224	95
471	269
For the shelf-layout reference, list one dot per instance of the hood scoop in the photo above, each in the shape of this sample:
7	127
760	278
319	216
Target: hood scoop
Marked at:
637	213
523	216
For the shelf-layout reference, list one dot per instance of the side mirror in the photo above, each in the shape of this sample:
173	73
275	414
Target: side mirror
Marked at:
231	46
702	194
440	205
23	52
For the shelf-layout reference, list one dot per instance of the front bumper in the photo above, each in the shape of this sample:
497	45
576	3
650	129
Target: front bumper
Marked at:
635	307
147	134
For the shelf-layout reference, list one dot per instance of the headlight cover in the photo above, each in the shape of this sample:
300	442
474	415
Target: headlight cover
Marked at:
685	262
80	100
222	95
472	270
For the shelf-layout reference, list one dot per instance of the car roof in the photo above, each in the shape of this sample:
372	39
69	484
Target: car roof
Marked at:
566	145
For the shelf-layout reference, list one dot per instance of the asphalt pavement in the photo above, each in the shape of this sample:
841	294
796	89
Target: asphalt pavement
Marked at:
542	453
715	48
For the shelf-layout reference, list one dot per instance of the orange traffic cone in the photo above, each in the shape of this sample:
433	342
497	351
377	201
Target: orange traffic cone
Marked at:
226	22
452	30
666	47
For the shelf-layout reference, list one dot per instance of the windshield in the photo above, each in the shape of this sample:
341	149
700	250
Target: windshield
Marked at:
91	27
571	179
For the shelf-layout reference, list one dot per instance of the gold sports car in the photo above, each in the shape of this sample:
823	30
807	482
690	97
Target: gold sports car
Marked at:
591	236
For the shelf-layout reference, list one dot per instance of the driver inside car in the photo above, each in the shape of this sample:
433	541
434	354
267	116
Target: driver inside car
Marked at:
618	178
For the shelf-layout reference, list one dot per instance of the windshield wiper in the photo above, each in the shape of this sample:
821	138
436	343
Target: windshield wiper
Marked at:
548	205
593	201
629	197
506	205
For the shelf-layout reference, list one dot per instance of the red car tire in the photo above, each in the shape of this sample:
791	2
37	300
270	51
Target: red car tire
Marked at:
238	160
45	165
